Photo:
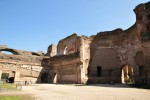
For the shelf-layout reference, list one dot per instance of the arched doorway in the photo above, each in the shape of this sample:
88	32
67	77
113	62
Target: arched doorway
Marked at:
127	74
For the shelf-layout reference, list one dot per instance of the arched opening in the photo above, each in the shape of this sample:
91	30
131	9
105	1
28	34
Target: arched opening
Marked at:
65	50
127	74
9	51
6	52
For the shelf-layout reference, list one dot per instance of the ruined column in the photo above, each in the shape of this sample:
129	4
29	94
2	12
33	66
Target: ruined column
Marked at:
16	78
51	51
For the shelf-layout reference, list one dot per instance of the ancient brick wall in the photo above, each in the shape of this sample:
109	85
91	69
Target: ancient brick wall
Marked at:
85	43
111	56
65	68
111	50
71	66
21	65
68	45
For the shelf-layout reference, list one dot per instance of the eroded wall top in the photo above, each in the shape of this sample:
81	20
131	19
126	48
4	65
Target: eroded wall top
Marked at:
68	45
19	56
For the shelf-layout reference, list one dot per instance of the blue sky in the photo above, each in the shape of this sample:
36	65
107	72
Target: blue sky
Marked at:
33	25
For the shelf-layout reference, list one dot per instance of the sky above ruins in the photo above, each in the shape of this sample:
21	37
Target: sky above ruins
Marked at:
33	25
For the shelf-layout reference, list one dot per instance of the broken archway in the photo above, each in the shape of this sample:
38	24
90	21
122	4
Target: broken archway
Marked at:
9	51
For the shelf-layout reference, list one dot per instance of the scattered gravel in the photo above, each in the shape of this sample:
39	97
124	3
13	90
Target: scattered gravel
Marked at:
82	92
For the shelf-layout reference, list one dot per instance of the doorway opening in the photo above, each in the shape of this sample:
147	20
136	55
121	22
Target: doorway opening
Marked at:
44	78
8	76
148	25
54	78
127	74
99	71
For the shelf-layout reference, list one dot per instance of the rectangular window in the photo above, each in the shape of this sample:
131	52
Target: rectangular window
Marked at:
5	76
148	18
99	71
141	70
148	26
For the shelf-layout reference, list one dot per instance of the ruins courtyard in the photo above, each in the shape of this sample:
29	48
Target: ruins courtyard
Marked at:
118	56
96	67
82	92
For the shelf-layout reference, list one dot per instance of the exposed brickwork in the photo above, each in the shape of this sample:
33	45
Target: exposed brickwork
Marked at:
121	56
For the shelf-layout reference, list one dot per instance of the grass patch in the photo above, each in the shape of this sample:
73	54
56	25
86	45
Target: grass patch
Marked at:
10	98
20	97
8	86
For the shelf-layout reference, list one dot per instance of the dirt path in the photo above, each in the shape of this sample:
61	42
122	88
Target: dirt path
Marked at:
71	92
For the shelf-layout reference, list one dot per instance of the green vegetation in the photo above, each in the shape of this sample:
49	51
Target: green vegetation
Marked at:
13	97
8	86
20	97
10	98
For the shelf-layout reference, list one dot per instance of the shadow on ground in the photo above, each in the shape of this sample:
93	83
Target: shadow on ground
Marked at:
111	85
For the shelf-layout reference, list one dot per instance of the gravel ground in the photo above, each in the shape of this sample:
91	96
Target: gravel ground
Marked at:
81	92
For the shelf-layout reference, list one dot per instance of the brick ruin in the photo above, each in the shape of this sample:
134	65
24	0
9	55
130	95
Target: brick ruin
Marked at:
118	56
20	66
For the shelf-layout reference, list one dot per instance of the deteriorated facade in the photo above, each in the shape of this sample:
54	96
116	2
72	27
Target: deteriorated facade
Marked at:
72	60
120	56
20	66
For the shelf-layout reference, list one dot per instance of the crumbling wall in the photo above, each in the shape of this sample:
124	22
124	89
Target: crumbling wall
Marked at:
25	65
65	68
103	58
113	50
68	45
19	52
104	55
145	77
142	12
51	51
85	43
71	66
